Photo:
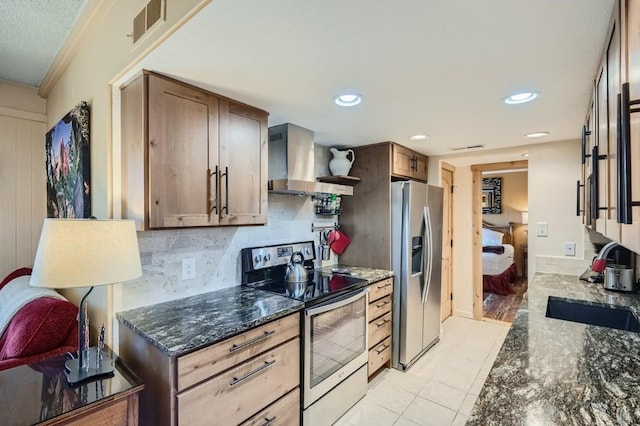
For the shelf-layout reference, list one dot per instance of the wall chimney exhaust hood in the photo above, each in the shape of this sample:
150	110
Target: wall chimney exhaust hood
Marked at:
292	163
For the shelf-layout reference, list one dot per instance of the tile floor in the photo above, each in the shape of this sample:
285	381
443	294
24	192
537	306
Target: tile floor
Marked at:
441	387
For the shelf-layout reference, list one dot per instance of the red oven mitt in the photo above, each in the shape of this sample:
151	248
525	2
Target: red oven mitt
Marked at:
338	241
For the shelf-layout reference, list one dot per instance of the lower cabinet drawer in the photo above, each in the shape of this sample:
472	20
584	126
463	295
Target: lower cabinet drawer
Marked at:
285	411
381	288
379	329
239	393
379	307
379	355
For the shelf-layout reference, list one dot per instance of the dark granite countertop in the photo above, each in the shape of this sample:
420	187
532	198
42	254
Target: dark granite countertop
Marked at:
370	274
184	325
556	372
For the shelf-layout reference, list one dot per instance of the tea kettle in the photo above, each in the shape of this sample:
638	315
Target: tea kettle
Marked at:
296	271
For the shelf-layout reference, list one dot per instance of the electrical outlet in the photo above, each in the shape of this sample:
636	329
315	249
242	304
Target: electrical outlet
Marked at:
542	229
188	268
569	249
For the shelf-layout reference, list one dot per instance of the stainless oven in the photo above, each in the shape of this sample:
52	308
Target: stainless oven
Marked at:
334	339
335	348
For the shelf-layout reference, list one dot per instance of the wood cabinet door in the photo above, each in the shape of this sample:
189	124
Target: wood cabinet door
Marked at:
630	234
182	127
243	164
601	139
420	169
612	229
402	161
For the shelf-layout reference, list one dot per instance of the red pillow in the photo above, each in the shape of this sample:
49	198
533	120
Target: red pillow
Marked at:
15	274
40	326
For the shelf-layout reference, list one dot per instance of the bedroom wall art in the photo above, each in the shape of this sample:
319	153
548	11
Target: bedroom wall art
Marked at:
492	195
68	165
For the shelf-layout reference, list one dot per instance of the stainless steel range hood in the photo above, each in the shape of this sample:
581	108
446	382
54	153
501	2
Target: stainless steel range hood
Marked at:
292	163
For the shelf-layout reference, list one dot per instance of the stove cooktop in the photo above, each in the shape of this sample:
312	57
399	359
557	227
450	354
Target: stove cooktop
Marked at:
319	287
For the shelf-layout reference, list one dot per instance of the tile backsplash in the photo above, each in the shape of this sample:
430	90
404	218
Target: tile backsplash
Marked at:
216	251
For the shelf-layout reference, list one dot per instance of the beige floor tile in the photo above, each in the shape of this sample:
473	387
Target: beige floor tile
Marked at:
427	413
477	384
407	381
367	413
391	397
405	422
444	395
460	420
467	404
454	378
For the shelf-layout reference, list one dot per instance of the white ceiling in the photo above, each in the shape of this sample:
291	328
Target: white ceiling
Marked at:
440	67
31	33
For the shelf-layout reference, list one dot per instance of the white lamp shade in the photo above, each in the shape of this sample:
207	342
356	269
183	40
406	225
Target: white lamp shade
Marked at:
86	252
525	217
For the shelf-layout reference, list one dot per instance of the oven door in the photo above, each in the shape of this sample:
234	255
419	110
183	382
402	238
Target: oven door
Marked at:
335	343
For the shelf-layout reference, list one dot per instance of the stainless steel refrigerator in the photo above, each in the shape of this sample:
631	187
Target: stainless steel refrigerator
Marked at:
416	254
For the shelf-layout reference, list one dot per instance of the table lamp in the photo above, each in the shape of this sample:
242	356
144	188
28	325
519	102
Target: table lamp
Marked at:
86	253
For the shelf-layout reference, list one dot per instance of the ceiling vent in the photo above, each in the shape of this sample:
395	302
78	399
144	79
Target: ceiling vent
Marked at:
460	148
153	12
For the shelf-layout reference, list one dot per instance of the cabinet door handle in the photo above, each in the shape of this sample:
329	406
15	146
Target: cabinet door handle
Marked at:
380	305
383	322
268	421
237	380
585	133
380	287
226	190
578	209
384	347
213	202
251	341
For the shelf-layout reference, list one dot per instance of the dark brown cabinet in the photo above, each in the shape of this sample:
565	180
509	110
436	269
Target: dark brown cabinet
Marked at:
190	157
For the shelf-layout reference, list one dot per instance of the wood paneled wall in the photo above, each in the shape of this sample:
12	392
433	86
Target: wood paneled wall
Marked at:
22	187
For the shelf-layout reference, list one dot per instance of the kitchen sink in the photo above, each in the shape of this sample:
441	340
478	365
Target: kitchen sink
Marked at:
619	317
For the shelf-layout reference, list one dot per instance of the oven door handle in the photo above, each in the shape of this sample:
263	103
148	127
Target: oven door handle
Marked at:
337	302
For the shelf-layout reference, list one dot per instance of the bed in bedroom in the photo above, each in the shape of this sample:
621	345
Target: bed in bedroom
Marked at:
499	271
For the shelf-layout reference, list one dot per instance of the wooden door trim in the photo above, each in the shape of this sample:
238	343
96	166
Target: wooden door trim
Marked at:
476	206
450	169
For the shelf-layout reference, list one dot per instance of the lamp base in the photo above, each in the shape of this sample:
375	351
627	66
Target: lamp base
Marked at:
75	374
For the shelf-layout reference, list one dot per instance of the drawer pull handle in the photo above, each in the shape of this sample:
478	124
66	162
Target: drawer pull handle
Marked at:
266	364
251	341
383	322
380	305
268	421
384	347
383	286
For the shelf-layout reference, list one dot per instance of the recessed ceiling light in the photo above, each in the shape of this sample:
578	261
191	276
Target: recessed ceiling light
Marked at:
348	99
419	137
525	154
537	135
520	98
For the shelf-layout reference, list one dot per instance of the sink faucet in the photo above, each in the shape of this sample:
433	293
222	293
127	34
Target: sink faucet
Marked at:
600	262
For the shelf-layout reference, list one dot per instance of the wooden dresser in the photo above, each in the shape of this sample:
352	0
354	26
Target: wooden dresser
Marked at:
39	393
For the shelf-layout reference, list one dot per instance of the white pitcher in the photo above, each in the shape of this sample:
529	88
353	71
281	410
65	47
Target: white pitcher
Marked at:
340	164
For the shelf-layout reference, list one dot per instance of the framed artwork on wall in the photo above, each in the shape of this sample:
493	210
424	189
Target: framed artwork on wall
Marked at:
69	165
492	195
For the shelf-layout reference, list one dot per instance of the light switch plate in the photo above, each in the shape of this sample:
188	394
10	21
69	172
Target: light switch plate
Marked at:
542	229
188	268
569	249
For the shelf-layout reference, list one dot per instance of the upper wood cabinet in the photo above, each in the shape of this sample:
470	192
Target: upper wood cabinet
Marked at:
630	72
190	157
408	163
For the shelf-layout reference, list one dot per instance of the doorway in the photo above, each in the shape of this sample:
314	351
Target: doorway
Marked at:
500	299
447	182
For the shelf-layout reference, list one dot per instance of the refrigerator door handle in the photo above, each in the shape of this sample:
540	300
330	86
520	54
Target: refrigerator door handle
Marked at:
427	257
